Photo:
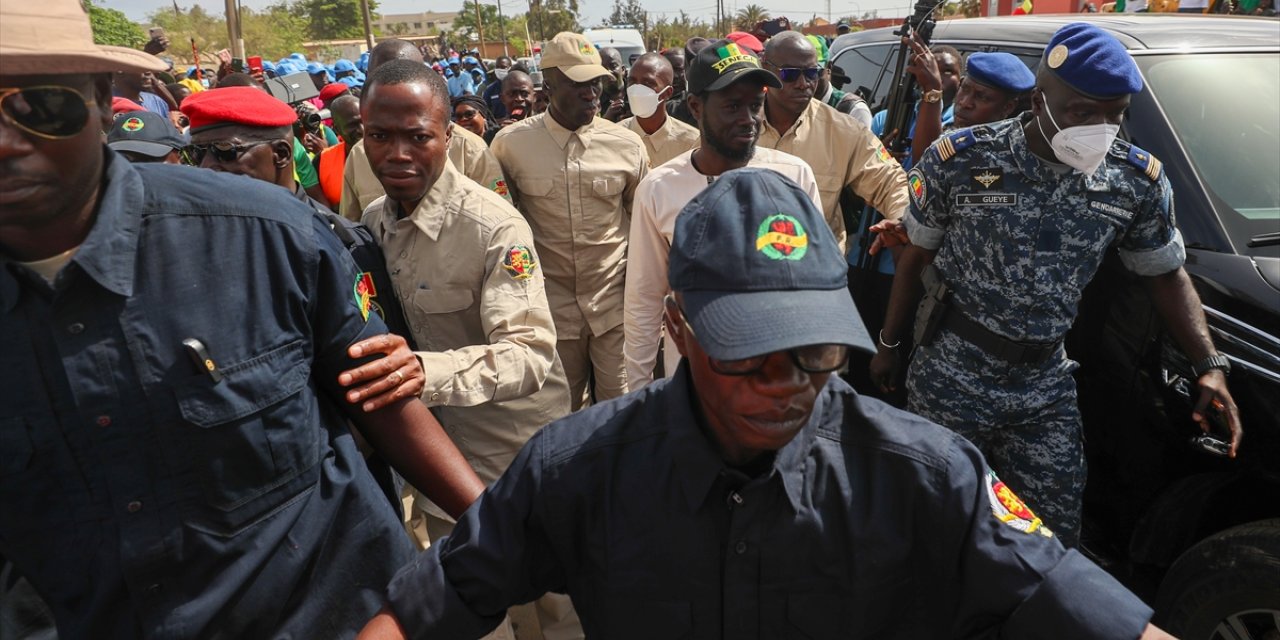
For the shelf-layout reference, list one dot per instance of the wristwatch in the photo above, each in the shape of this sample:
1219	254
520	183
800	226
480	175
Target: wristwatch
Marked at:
1215	361
932	95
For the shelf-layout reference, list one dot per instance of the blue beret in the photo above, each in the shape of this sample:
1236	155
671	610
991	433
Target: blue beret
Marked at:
343	65
1092	62
1001	70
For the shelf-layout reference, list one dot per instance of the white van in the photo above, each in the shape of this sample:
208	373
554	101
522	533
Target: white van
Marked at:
628	42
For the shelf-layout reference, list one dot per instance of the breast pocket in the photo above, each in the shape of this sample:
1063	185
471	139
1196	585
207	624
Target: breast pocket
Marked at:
607	187
539	187
443	315
249	438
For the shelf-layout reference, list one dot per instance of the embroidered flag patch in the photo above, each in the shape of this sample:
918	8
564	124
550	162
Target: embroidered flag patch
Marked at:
1008	508
519	262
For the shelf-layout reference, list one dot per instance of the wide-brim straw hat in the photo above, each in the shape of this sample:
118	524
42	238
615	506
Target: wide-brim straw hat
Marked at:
39	37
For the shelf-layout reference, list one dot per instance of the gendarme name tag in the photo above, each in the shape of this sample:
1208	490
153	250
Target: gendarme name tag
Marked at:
986	199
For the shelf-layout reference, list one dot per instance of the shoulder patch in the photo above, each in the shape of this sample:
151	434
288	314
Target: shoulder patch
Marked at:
519	262
954	143
1011	510
1145	162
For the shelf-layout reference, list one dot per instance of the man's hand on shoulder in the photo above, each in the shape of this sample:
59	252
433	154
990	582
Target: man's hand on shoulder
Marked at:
398	374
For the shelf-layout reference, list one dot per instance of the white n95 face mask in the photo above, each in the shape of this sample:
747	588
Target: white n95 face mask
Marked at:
500	73
1084	147
644	101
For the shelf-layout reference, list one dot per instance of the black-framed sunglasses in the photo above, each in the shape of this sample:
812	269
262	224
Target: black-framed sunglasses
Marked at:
465	115
222	151
790	74
814	358
52	112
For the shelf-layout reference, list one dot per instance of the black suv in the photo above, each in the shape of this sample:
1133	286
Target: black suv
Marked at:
1194	533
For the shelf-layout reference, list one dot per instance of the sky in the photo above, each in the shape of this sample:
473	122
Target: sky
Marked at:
592	11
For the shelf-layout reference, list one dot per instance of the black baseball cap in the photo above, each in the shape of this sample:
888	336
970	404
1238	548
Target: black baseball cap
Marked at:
147	133
759	271
723	63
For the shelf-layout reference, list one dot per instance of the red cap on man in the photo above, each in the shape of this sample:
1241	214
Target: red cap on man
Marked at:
247	106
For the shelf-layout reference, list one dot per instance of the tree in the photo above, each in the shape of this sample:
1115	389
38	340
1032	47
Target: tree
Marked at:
673	32
549	17
332	19
111	26
627	12
749	16
272	32
966	8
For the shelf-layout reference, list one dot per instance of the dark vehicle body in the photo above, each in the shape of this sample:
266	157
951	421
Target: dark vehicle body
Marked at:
1196	534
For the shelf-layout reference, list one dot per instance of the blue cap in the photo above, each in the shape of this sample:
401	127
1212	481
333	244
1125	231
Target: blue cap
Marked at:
315	68
448	73
285	68
363	63
470	60
268	65
343	65
759	270
351	81
1092	62
147	133
1004	71
298	56
454	60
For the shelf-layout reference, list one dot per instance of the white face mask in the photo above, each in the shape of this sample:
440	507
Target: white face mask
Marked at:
1082	148
644	101
501	73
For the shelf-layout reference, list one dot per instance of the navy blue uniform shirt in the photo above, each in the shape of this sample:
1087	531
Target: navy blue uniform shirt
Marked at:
139	496
872	522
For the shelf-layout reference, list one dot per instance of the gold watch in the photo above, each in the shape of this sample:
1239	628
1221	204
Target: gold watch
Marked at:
932	96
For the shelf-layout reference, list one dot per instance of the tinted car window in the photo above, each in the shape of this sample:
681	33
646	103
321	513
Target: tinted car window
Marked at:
869	69
1225	109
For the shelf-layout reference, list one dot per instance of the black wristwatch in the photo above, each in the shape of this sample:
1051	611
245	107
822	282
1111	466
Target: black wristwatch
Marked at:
1215	361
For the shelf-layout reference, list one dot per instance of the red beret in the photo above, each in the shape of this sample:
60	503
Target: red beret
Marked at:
747	40
124	105
246	106
332	90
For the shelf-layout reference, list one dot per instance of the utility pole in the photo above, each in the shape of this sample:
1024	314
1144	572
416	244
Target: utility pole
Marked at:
368	24
480	29
502	25
234	42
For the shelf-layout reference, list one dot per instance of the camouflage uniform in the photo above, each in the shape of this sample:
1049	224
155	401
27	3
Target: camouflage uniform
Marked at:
1017	240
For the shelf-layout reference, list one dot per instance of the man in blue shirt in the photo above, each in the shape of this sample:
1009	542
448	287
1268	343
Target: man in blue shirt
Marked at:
460	83
176	457
753	494
131	85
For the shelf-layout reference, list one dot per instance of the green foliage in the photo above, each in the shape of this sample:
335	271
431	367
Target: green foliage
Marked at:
627	12
749	16
111	26
332	19
272	32
966	8
673	32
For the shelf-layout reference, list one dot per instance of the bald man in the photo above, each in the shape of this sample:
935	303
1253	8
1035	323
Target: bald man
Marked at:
843	152
517	97
649	87
467	151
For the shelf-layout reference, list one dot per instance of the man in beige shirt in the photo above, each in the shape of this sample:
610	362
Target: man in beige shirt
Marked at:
842	152
648	88
463	265
467	151
726	96
573	176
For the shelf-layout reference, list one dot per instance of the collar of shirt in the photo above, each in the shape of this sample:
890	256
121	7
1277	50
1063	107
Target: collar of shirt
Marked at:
831	88
802	121
561	135
697	460
1035	169
108	252
429	215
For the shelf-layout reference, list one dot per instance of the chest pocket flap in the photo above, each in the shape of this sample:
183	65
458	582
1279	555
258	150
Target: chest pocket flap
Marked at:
537	187
246	387
443	299
606	187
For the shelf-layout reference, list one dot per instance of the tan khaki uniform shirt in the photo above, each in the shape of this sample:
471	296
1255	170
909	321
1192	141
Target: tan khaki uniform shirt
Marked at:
842	153
575	188
670	140
467	275
467	151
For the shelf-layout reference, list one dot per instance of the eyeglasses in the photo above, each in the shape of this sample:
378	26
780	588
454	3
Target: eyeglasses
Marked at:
465	115
48	111
790	74
815	358
222	151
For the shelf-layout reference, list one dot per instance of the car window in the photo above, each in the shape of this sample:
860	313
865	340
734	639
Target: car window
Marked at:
870	70
1225	110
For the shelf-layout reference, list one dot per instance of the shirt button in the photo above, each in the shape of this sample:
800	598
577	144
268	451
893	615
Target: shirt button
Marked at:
134	507
741	547
404	254
435	396
75	328
104	421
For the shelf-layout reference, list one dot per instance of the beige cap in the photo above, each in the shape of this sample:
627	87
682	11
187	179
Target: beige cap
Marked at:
54	37
575	56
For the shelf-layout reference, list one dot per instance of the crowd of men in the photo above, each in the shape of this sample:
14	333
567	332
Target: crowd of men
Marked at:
589	312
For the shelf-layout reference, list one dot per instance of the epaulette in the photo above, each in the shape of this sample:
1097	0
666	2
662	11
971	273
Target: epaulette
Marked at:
953	143
1145	162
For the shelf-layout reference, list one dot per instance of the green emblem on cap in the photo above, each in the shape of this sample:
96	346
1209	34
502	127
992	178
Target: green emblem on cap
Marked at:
133	124
782	237
730	55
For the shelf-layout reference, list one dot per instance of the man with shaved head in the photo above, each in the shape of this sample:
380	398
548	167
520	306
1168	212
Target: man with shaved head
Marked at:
517	96
648	89
468	152
842	151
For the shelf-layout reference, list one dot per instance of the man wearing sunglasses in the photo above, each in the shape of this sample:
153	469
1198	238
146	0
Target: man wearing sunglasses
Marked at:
754	494
844	154
176	458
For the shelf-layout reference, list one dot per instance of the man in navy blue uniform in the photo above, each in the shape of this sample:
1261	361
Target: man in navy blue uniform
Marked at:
175	459
1015	217
753	494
